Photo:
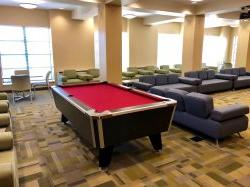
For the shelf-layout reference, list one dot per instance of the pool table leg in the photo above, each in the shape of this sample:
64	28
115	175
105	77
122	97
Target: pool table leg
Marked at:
105	155
64	119
156	141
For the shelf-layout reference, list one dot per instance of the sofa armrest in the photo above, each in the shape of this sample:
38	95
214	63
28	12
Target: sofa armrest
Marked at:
226	76
229	112
6	141
189	80
142	86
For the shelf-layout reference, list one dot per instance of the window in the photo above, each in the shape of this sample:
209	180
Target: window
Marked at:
25	48
214	49
169	49
234	50
125	51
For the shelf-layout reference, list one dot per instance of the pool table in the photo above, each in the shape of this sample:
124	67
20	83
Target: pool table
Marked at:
105	115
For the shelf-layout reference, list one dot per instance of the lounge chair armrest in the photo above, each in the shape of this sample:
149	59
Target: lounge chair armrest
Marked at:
226	76
189	80
6	141
142	86
64	78
229	112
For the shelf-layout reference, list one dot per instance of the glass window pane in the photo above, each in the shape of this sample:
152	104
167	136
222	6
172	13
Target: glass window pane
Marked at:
169	49
39	72
7	74
36	61
9	47
37	34
13	61
38	48
11	33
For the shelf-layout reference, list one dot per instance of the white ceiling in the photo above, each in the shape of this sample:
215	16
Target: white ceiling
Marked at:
42	4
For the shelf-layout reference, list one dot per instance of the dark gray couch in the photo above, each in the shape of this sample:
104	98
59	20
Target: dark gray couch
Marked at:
158	84
196	111
212	82
243	79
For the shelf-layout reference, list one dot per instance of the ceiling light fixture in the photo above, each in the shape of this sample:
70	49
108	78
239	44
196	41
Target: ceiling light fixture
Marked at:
196	1
28	5
36	2
129	16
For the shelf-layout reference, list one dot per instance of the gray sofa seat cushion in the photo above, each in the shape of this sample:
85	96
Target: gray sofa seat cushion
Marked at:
147	79
215	85
158	90
189	80
229	112
178	96
210	127
161	80
242	81
199	105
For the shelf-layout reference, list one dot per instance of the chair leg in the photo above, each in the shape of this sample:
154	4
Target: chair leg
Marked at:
239	135
217	143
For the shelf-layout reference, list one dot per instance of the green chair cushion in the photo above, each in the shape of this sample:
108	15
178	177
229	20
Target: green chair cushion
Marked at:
85	77
4	106
6	141
94	72
145	72
3	96
128	74
166	67
151	68
73	81
6	174
70	74
4	119
133	69
174	70
162	71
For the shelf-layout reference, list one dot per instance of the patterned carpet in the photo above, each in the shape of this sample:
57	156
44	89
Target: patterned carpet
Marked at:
50	154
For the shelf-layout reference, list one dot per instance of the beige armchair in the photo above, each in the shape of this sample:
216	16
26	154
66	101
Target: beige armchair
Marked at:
21	84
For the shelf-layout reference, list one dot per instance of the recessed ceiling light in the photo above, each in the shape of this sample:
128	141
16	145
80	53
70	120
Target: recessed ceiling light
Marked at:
36	2
129	16
195	1
61	8
28	5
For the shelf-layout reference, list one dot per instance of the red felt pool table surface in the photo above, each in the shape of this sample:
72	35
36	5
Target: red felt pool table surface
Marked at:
105	96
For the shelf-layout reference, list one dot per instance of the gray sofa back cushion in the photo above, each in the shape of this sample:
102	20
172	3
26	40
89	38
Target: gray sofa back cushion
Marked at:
235	71
173	78
199	105
192	74
242	71
177	95
202	75
226	71
210	74
161	80
147	79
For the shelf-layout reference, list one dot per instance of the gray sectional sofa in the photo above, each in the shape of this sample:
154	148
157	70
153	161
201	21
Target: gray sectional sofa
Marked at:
196	111
212	82
158	84
243	77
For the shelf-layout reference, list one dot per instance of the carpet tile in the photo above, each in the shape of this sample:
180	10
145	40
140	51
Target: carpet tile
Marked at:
50	153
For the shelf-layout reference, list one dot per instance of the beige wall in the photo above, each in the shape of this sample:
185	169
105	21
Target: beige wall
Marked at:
215	31
143	41
72	41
